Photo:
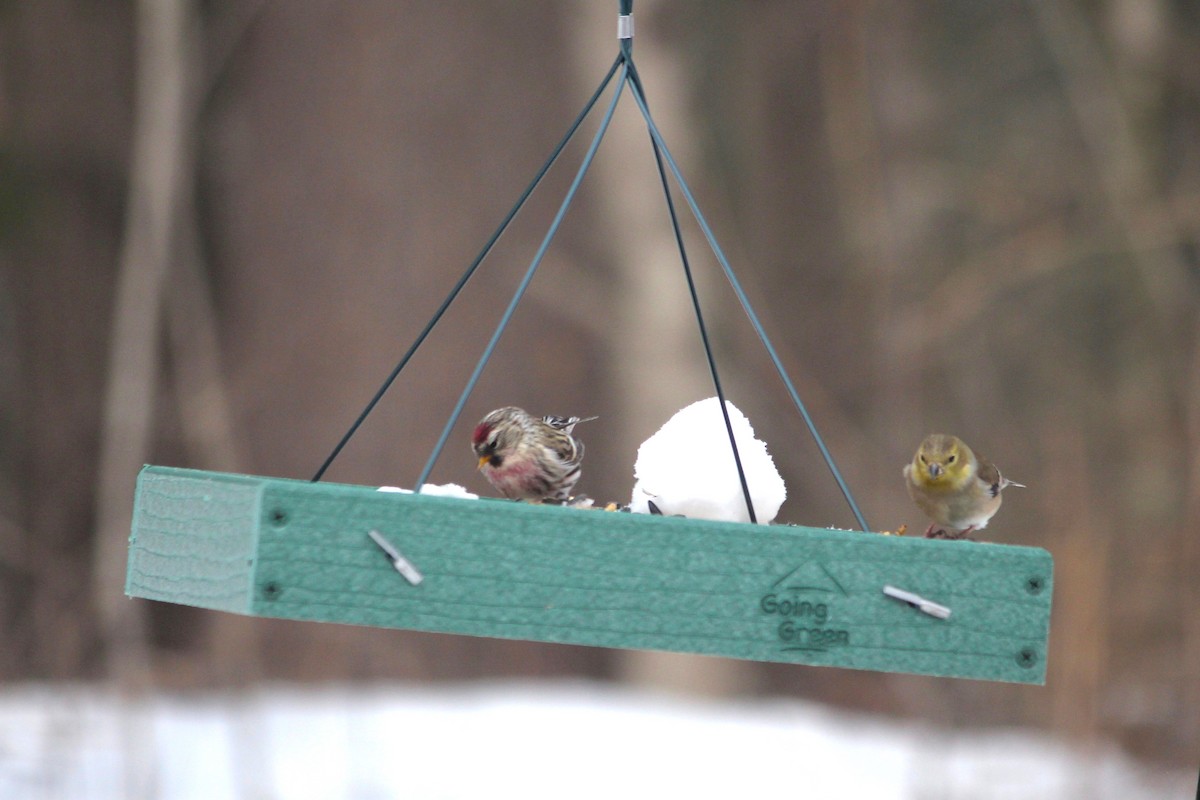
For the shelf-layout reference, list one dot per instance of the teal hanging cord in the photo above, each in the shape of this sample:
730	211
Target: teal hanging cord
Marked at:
487	248
625	26
537	260
634	84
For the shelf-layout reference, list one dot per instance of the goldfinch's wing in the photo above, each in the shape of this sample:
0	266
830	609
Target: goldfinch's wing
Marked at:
990	477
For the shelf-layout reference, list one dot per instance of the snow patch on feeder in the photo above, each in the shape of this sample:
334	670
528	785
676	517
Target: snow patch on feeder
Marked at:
687	468
435	490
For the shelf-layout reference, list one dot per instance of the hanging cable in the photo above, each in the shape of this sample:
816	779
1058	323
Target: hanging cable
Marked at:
636	86
634	83
487	248
537	260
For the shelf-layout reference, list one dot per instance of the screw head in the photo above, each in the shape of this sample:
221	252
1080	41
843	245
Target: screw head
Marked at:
272	590
1034	584
278	517
1026	657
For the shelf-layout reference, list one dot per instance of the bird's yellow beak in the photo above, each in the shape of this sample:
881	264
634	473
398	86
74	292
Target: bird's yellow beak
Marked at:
482	460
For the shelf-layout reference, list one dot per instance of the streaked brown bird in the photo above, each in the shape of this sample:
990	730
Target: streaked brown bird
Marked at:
527	457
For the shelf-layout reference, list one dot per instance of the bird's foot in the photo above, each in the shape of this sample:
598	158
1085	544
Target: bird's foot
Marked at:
944	533
963	533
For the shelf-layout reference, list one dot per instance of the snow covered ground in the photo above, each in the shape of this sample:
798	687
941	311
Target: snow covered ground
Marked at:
520	740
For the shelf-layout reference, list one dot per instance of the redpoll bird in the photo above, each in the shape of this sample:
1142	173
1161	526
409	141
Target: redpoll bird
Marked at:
527	458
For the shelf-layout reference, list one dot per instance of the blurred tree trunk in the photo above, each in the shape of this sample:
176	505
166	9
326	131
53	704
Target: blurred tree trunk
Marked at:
1080	641
166	49
64	118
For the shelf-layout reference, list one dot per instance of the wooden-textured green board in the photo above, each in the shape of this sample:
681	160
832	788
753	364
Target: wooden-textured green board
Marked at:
298	550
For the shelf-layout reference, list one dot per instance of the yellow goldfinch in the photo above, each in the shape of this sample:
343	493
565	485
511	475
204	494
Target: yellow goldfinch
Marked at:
957	488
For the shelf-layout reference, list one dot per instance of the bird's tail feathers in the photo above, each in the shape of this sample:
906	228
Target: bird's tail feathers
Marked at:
565	424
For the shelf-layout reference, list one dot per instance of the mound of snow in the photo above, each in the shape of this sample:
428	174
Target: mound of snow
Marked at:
688	468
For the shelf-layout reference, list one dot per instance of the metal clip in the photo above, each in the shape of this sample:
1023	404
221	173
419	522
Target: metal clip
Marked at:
916	601
625	26
402	564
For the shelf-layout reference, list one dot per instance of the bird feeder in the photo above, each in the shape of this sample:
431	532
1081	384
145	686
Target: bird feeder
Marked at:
319	551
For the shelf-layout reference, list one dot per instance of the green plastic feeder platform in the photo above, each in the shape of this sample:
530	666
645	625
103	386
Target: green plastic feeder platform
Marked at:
299	550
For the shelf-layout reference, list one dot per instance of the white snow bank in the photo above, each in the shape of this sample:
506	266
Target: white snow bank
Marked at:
531	741
688	468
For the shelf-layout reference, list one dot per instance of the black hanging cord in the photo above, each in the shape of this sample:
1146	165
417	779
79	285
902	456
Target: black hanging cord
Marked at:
745	302
487	248
636	86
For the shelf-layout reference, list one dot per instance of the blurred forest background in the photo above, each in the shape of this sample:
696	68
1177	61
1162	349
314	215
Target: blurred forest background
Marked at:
221	223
